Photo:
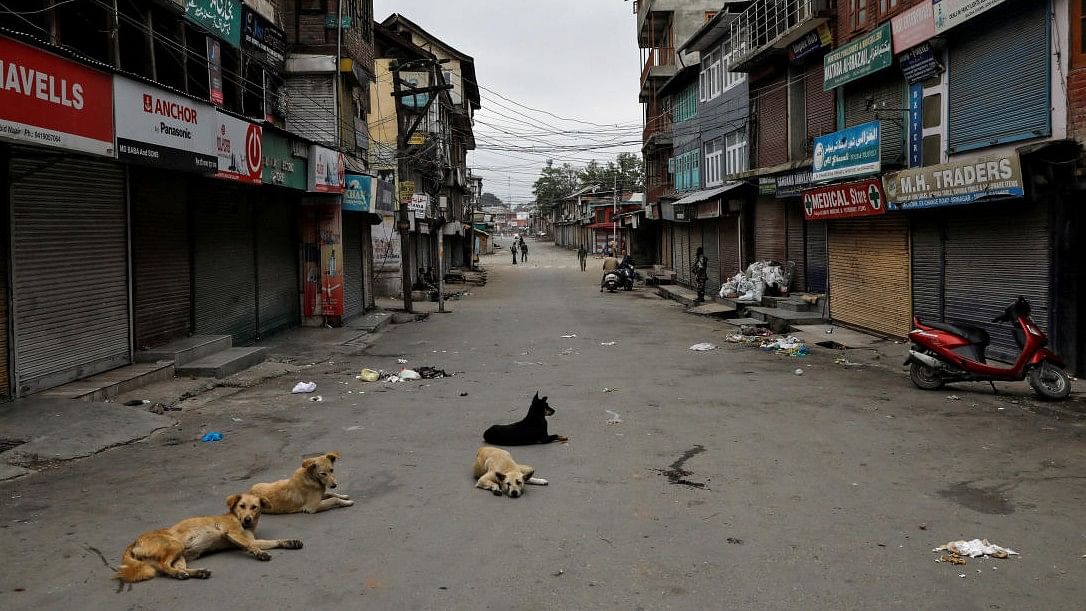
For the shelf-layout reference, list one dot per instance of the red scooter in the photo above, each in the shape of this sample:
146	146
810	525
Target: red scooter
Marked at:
954	352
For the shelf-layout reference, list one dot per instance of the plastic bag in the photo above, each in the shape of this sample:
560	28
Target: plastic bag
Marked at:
369	375
410	374
304	387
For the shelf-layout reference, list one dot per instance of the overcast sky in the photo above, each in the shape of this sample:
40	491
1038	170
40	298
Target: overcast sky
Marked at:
577	59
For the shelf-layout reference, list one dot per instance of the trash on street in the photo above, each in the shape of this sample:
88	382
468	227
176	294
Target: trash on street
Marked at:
976	548
304	387
368	375
410	374
615	417
211	436
703	347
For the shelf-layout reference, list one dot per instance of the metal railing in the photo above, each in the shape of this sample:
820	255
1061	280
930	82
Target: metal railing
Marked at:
660	124
657	56
765	22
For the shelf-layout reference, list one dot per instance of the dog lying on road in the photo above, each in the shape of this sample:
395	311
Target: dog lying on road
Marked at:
499	473
167	550
531	430
306	490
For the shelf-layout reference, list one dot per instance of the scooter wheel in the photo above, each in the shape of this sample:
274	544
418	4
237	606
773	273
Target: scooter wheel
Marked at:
1050	382
925	377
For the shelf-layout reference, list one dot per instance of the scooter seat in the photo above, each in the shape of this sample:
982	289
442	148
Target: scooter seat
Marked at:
975	335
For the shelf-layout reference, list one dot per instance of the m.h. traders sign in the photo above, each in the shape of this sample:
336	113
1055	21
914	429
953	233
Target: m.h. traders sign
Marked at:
163	129
858	58
964	181
854	151
863	198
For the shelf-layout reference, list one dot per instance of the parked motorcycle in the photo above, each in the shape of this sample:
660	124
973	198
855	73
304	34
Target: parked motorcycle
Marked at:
612	281
954	352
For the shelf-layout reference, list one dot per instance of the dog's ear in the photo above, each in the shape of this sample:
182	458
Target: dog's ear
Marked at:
536	397
309	462
264	504
311	465
527	471
232	500
332	456
500	476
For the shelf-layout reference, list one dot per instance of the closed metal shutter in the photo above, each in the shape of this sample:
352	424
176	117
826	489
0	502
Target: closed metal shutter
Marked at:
224	273
796	243
277	252
161	260
367	265
992	257
352	266
69	271
999	77
728	236
927	245
771	106
821	117
666	240
311	99
710	241
869	274
5	380
681	252
769	231
887	88
816	256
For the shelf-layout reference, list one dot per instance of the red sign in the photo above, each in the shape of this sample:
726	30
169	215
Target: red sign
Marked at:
323	257
863	198
913	26
254	153
51	101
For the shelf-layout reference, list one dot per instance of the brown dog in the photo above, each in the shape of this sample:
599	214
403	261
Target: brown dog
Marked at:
166	550
499	473
306	490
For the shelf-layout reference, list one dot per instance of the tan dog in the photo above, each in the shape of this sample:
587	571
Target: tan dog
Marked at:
498	473
306	490
166	550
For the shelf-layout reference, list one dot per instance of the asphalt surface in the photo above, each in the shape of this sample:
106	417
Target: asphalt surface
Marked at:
700	480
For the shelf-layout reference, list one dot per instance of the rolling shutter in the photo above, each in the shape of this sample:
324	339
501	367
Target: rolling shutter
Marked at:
69	270
999	78
821	118
772	115
769	232
869	274
795	242
277	251
816	256
681	252
927	246
728	233
710	241
312	98
887	88
367	265
161	263
352	266
224	273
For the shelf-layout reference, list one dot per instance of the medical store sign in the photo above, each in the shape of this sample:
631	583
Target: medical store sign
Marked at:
964	181
849	200
163	129
50	101
359	194
857	59
850	152
327	170
239	148
220	17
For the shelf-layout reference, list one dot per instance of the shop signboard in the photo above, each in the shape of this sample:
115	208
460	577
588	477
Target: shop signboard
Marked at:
327	170
386	247
418	204
239	147
842	201
214	71
163	129
264	42
790	185
913	26
281	168
54	102
919	63
384	200
853	151
963	181
916	128
766	185
359	195
814	41
407	191
865	55
708	210
950	13
220	17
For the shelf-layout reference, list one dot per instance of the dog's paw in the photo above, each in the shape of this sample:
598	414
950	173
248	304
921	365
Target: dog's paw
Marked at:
183	575
292	544
538	481
496	491
346	503
262	555
199	574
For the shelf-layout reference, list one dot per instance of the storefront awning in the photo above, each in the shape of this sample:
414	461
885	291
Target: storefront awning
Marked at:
707	194
607	226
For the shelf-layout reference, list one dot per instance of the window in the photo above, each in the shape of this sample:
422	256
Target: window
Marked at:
703	79
859	13
1078	33
685	167
714	160
731	79
685	105
716	81
735	151
885	6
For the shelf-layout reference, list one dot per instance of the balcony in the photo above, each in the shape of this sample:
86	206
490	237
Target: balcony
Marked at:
657	130
659	64
767	27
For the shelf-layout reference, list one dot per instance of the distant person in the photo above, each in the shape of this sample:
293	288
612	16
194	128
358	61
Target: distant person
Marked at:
610	264
513	249
700	271
582	256
523	251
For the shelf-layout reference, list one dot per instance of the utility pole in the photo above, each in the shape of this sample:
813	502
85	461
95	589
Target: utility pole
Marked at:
614	213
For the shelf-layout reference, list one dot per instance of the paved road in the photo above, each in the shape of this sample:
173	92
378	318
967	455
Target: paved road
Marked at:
826	490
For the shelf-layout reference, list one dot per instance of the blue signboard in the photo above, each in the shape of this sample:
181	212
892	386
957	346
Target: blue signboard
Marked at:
854	151
358	196
916	129
919	63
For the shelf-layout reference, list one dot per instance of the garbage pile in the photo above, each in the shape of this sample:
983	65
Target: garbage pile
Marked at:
764	339
760	278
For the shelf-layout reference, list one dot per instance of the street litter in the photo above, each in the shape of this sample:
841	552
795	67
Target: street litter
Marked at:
429	373
410	374
975	549
135	402
607	343
368	375
609	389
845	362
952	559
401	361
304	387
751	285
790	345
798	371
569	336
615	418
703	347
237	419
212	436
317	398
954	397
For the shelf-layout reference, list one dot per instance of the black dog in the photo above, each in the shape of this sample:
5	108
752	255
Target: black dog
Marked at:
531	430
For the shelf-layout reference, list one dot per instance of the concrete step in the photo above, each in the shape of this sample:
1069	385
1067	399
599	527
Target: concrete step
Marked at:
717	310
112	383
678	293
781	320
187	350
746	322
222	364
795	305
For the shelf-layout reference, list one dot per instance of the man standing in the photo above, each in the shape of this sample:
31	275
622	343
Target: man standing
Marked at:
513	249
523	251
582	256
700	271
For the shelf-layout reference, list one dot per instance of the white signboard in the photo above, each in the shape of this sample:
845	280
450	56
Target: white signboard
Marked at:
951	13
419	203
163	129
239	147
327	170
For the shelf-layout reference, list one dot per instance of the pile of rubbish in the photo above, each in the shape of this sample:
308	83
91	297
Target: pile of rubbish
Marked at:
418	373
790	345
749	335
761	277
957	551
763	338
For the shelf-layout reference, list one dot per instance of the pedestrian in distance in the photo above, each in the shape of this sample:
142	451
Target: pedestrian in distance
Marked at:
582	256
700	272
523	251
513	249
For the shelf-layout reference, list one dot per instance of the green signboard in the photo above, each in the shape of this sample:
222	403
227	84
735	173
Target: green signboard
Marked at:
220	17
280	167
858	58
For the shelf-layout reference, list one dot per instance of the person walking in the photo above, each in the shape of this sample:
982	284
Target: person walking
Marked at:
513	249
582	256
700	272
523	251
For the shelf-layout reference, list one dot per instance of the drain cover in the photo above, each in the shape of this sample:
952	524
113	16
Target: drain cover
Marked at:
6	443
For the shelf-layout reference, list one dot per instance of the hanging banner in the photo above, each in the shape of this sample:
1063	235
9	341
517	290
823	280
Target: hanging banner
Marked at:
850	152
220	17
913	26
865	55
950	13
863	198
264	42
281	168
385	198
358	197
327	170
962	181
239	147
214	71
163	129
54	102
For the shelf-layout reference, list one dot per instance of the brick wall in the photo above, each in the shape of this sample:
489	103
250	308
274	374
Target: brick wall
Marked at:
845	32
1076	93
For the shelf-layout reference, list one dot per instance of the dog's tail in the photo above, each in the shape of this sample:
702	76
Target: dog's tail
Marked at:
133	569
